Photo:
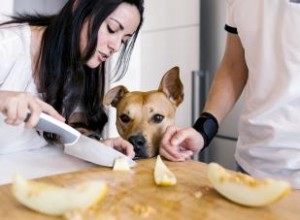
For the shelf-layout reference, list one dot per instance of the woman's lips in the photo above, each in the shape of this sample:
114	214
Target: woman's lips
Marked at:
102	57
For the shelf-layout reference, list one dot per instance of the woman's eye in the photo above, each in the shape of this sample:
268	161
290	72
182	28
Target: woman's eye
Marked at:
110	30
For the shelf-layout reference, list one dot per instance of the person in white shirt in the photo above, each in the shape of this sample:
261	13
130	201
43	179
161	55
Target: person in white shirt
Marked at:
56	64
262	61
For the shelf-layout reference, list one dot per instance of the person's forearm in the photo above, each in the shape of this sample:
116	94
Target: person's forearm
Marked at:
224	93
229	81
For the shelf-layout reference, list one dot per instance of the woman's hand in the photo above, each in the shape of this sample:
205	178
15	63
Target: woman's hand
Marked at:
179	144
121	145
16	106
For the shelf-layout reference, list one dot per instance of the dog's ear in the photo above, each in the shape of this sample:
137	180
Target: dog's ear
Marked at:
172	86
114	95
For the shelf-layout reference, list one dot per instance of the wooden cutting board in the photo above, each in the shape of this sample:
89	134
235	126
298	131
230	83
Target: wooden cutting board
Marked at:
134	195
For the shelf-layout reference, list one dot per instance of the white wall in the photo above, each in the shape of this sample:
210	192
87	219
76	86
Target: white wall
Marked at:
42	6
11	7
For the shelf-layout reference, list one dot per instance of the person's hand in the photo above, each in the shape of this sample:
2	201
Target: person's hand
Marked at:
121	145
15	106
179	144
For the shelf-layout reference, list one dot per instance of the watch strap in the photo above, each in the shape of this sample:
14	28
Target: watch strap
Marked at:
207	125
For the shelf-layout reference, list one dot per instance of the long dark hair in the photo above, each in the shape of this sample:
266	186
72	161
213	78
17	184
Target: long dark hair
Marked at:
65	81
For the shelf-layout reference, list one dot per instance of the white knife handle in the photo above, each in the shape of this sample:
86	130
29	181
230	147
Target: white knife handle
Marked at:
52	125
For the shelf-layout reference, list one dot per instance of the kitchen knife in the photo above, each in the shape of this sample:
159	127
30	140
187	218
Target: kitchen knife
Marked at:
79	145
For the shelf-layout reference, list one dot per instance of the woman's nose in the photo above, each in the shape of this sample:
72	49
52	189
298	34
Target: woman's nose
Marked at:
115	44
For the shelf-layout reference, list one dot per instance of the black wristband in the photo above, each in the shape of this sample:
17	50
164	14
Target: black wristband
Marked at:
207	125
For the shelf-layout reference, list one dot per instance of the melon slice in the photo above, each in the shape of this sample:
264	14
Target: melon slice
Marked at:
121	164
57	200
244	189
163	176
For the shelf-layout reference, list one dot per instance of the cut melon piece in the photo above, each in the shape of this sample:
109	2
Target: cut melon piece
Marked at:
163	176
244	189
57	200
121	164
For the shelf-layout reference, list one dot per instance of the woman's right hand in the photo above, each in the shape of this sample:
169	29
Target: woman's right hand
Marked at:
15	106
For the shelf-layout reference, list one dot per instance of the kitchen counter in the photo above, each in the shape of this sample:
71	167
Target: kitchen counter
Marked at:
133	195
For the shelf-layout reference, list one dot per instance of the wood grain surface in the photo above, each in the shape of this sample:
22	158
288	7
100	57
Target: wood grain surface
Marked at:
134	195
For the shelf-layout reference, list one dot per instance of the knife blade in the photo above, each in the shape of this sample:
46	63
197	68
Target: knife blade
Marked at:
79	145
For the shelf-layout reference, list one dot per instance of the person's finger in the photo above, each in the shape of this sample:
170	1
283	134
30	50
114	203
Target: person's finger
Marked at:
186	154
51	111
127	148
130	152
169	132
22	110
10	111
179	137
183	136
173	144
121	145
35	111
172	151
36	106
171	157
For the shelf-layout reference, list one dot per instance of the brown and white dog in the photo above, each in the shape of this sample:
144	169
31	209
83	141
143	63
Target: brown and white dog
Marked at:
142	117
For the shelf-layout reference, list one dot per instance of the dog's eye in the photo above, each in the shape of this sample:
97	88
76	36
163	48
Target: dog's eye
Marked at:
125	118
157	118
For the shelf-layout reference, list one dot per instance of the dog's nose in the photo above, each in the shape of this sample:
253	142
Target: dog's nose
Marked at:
139	144
138	141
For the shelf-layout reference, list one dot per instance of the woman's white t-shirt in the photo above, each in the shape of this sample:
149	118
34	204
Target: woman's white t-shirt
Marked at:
16	75
269	127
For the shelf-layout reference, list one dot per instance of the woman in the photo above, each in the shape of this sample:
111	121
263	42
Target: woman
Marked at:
56	64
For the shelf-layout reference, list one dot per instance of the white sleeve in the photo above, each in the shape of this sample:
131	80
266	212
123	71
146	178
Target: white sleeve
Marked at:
13	47
230	14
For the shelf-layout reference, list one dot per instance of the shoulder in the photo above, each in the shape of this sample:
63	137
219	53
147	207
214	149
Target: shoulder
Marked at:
15	37
14	49
14	29
243	12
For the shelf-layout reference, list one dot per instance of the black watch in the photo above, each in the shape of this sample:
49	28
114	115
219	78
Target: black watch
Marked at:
207	125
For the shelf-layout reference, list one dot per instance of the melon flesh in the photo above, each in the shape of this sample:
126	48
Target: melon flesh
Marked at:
56	200
163	176
121	164
244	189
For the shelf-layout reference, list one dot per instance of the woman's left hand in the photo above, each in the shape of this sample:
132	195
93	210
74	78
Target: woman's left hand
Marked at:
121	145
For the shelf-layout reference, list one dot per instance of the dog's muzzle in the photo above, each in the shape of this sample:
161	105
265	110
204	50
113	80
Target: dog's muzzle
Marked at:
140	145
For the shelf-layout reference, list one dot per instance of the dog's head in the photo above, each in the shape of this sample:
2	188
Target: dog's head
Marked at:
142	117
